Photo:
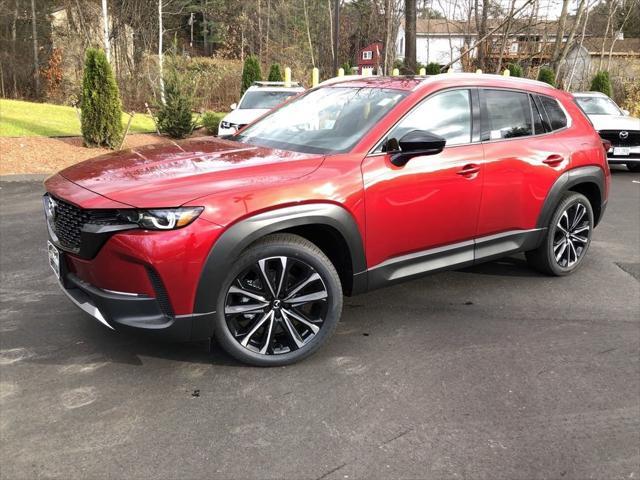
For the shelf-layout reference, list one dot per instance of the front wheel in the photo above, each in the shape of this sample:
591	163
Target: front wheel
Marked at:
279	303
633	167
568	237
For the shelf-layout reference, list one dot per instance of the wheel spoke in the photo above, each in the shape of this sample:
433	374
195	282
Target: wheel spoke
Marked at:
580	211
292	333
581	229
314	328
561	252
578	238
262	264
283	274
247	293
572	249
245	308
565	217
311	297
312	278
255	328
267	341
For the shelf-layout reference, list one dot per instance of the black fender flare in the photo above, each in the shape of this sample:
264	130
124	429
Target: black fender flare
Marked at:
589	174
243	233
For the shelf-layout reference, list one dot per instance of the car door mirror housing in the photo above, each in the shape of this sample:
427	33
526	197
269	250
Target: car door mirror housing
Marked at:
413	144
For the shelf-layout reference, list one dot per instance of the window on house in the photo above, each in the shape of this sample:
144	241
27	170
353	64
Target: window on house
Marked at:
367	55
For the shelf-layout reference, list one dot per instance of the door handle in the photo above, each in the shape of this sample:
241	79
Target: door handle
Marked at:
553	160
468	170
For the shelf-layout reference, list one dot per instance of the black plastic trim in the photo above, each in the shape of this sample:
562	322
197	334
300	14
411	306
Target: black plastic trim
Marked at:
242	234
503	244
570	178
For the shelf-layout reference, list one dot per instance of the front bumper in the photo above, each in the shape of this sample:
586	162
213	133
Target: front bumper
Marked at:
131	312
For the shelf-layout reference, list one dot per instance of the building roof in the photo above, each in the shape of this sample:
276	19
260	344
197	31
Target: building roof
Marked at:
457	27
628	46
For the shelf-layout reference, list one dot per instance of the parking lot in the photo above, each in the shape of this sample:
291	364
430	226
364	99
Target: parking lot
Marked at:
491	372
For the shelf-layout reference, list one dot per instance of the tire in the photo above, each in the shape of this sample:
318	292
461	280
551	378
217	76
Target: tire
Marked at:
562	253
276	330
633	167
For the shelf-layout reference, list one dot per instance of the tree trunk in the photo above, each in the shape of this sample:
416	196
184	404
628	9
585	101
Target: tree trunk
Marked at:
306	21
105	32
36	62
410	61
562	20
14	21
612	11
388	39
160	53
482	33
569	42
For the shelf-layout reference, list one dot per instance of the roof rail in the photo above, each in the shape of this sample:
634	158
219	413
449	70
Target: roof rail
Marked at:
276	84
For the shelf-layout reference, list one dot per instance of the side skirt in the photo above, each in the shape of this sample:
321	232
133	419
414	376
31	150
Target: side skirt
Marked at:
451	257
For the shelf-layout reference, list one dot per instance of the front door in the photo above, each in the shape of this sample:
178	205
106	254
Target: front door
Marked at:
415	213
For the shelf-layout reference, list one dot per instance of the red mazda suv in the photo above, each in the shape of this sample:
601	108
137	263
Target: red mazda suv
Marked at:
254	239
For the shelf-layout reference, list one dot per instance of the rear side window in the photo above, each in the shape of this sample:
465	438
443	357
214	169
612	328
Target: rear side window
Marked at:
538	121
557	117
507	114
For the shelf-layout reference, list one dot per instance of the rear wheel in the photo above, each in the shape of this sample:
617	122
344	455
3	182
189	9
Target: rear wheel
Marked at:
280	302
633	167
568	237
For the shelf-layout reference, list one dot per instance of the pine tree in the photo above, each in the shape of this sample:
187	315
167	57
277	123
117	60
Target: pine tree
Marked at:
250	72
601	83
174	117
432	68
275	74
515	70
101	109
546	75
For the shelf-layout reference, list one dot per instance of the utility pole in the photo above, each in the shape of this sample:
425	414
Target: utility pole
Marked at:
336	35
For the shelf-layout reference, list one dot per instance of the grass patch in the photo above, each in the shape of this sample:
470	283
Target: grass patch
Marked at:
29	119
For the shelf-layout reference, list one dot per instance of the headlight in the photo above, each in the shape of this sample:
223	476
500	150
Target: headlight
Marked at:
225	125
162	219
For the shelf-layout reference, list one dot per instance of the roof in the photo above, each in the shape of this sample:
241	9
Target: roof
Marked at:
628	46
413	82
442	26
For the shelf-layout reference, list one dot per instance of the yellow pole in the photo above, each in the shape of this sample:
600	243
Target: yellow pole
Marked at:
395	72
287	77
423	71
506	73
478	71
315	77
341	72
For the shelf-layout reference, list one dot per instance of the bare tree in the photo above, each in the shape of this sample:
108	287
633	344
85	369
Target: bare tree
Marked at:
410	61
105	26
160	52
36	63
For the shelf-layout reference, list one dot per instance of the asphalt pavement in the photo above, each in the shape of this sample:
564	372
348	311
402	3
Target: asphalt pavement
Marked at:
493	372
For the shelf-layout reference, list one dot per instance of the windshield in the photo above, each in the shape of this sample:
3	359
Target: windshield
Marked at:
598	106
265	100
324	120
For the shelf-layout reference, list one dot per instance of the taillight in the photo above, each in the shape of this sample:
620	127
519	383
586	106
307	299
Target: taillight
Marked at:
606	144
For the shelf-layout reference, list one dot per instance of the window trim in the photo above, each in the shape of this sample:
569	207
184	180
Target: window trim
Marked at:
368	57
475	119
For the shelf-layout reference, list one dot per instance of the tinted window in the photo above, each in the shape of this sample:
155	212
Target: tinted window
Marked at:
538	123
507	114
554	112
267	100
447	114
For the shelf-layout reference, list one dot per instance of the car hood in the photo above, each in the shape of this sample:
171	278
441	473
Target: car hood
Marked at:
244	116
171	175
615	122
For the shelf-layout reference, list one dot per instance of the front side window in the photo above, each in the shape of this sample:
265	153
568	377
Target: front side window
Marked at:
264	100
556	115
325	120
598	106
507	114
447	114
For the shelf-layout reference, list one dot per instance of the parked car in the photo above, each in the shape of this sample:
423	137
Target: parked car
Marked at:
347	188
615	125
256	101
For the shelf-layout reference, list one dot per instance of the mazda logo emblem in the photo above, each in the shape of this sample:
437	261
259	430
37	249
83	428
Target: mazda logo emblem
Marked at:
624	135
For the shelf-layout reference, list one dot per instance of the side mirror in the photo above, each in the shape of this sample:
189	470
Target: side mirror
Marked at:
625	112
234	106
414	144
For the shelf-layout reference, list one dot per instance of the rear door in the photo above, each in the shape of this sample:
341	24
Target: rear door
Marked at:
524	155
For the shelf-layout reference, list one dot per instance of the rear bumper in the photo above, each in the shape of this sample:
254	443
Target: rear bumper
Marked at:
130	312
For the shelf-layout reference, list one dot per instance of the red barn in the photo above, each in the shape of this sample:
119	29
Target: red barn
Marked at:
370	58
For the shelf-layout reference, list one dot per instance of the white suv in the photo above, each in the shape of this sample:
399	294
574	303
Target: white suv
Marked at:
615	125
256	101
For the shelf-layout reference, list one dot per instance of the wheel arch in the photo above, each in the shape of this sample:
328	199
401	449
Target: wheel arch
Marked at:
310	221
589	181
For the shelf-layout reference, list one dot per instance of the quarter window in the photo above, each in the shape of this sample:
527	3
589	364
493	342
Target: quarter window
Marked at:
556	115
508	114
538	122
447	114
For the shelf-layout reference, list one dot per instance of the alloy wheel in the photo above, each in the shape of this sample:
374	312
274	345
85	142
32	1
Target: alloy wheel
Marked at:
276	306
571	236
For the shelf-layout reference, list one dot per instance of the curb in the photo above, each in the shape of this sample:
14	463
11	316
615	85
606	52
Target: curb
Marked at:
25	177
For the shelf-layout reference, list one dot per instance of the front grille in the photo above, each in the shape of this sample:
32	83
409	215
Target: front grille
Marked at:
68	222
633	138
